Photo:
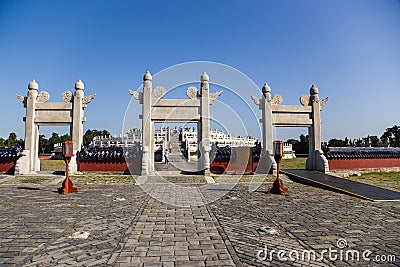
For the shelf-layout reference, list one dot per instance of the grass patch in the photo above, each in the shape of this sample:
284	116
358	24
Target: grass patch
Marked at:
389	180
52	165
101	179
296	163
245	179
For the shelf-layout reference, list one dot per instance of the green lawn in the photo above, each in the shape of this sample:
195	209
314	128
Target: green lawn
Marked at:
59	165
52	165
389	180
102	179
296	163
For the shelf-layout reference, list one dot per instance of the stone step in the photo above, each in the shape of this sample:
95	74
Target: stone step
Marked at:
170	177
177	160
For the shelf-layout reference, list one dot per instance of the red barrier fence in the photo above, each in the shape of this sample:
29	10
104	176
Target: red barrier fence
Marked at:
241	162
117	166
219	167
7	166
348	164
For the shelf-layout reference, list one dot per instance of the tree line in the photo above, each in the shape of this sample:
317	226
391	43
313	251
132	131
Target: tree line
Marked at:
46	145
11	140
391	136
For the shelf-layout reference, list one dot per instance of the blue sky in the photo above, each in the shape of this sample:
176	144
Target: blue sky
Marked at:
349	49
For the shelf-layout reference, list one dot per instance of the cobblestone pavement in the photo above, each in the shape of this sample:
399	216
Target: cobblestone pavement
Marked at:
127	227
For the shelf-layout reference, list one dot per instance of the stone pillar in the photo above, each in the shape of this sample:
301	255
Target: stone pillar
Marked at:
36	149
77	124
152	147
204	139
316	159
145	157
168	135
267	160
31	128
147	138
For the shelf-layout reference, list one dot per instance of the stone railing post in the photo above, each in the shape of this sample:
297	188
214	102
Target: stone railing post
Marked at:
147	137
77	124
31	129
316	159
204	140
267	160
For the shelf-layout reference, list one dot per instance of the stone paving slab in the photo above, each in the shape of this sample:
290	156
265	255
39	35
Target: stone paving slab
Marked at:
127	227
5	178
307	219
180	236
36	222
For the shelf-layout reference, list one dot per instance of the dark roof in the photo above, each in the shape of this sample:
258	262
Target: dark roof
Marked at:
10	152
99	153
363	152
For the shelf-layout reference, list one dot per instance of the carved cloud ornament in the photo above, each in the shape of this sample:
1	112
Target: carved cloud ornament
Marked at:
214	96
159	92
276	100
323	102
192	92
256	100
305	100
87	99
43	97
67	96
136	95
20	98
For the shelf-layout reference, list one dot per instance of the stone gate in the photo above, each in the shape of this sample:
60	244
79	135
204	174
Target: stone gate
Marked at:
156	109
307	115
40	112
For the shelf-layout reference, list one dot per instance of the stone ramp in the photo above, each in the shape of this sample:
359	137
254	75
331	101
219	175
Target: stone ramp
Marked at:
177	162
330	182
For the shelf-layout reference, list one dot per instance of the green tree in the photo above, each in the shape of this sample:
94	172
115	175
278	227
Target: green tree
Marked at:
64	137
374	140
300	147
359	142
292	141
347	141
11	140
393	135
54	139
90	134
2	141
336	143
43	142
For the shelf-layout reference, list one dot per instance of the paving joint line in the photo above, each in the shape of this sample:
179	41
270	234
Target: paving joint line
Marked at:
293	236
222	233
121	244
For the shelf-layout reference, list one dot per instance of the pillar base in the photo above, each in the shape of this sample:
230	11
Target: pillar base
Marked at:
277	188
266	164
317	162
22	164
67	187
